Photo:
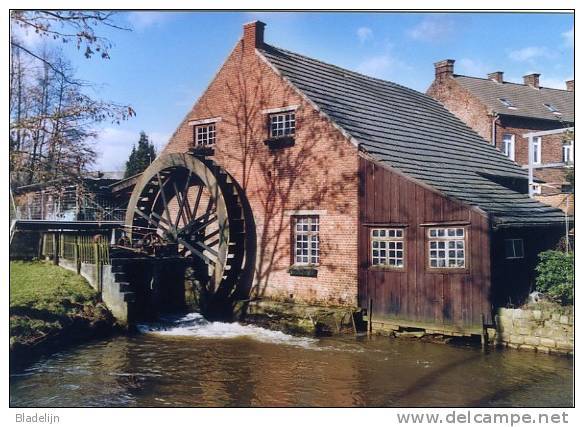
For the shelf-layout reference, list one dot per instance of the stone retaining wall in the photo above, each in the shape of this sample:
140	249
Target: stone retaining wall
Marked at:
542	327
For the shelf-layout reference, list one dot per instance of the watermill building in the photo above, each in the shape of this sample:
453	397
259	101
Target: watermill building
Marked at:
355	190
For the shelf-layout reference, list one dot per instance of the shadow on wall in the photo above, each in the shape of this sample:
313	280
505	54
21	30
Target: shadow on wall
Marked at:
305	176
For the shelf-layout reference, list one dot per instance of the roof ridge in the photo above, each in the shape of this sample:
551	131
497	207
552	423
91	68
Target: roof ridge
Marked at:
508	82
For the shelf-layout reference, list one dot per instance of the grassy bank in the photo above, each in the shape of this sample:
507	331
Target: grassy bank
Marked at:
51	307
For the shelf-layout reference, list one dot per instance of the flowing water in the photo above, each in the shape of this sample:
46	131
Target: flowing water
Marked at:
189	361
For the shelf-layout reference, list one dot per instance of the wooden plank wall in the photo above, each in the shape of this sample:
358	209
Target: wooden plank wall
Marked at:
416	293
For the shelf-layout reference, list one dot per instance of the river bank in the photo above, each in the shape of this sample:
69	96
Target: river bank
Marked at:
50	309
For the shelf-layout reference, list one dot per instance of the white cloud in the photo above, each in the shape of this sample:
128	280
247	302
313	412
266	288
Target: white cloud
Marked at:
473	67
381	66
114	145
528	54
144	19
553	82
364	34
568	37
434	28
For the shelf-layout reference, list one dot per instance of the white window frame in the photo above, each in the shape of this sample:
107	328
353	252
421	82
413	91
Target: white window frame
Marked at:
536	150
306	240
282	124
444	241
205	134
515	254
387	247
536	188
509	145
568	152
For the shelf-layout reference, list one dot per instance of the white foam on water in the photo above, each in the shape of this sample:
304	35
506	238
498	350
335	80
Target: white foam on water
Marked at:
195	325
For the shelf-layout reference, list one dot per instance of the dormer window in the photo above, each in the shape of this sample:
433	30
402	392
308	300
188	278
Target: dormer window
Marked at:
282	124
553	109
507	103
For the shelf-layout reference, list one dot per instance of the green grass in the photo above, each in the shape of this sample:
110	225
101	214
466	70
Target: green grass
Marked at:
44	298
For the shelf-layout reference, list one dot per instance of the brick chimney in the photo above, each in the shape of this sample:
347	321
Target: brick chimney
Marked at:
570	85
531	80
253	35
444	68
496	76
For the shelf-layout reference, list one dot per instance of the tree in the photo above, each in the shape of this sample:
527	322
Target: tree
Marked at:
141	157
77	26
52	118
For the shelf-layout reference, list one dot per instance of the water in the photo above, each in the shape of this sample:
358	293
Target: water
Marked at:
189	361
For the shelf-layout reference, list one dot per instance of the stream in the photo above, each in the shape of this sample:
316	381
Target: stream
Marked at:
189	361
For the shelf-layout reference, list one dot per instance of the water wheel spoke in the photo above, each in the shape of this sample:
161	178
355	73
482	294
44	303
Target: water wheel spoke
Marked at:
162	220
207	248
204	224
211	235
164	200
195	251
146	217
183	201
197	201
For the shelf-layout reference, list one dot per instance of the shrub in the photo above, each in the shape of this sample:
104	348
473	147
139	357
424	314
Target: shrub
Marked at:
555	276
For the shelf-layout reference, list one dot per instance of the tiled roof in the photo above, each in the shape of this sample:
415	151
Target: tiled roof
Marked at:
415	134
528	101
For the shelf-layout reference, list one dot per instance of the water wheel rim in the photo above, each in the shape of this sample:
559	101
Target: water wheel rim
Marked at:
171	163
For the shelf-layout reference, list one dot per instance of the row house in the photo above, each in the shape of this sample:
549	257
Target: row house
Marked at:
504	113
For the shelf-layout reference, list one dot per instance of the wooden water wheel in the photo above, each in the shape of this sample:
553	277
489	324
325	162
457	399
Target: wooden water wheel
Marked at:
194	204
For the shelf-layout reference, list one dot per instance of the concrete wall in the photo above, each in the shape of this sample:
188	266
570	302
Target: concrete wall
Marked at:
110	291
544	327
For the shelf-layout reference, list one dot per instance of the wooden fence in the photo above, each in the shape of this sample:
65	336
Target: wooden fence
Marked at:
77	247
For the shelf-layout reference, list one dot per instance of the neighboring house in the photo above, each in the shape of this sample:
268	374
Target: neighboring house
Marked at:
87	199
364	190
503	113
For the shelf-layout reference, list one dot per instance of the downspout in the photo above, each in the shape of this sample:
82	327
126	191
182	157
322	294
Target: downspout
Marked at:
494	129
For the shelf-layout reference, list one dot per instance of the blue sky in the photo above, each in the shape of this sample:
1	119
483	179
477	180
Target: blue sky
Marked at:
165	63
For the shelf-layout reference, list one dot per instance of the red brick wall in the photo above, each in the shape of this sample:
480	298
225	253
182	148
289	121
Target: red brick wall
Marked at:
320	172
466	107
551	148
462	104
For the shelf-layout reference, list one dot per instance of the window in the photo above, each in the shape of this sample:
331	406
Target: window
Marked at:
568	152
509	145
282	124
537	149
507	103
446	247
205	135
387	247
306	240
513	248
553	109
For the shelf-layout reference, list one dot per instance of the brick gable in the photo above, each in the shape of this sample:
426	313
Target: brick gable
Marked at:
319	173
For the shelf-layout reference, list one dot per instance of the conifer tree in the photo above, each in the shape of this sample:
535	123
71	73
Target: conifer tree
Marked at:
141	156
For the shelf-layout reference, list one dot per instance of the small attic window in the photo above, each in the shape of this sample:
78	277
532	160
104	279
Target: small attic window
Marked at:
552	108
507	103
